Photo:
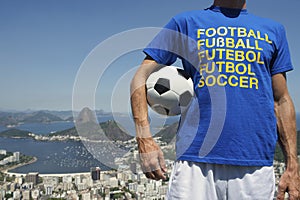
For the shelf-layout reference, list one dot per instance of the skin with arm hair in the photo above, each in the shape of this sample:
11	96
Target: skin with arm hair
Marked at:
286	124
151	156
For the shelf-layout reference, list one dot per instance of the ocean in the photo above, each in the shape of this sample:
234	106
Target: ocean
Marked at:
52	157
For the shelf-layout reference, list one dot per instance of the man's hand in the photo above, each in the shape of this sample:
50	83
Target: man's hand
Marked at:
287	137
290	183
151	159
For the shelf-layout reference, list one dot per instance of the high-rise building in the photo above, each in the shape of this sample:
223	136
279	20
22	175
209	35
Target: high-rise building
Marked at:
35	194
17	156
2	152
48	189
26	194
133	167
95	173
32	177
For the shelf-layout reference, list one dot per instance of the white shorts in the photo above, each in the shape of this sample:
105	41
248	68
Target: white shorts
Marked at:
202	181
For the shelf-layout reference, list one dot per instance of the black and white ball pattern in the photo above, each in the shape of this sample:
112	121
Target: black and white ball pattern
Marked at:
169	90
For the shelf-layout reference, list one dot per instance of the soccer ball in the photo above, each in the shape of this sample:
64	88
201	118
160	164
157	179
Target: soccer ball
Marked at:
169	90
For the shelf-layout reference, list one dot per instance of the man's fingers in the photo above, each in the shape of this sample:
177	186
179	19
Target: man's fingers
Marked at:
162	162
281	190
294	195
153	164
150	175
154	168
155	175
159	175
280	195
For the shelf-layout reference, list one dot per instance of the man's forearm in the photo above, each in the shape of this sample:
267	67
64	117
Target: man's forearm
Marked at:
140	112
286	124
139	104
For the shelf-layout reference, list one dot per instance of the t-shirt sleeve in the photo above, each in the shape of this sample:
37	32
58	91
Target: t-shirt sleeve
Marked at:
281	59
165	46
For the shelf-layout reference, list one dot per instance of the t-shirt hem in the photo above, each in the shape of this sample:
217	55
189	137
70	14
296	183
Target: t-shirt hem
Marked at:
238	162
281	70
148	52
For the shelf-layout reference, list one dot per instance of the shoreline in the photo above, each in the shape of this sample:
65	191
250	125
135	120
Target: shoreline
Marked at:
59	175
7	169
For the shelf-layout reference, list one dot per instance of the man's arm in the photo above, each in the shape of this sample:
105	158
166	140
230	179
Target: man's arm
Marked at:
286	125
152	160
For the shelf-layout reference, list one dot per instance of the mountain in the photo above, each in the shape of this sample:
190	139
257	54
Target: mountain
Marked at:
47	116
87	126
86	115
7	119
61	114
14	118
109	130
115	131
167	134
40	117
14	133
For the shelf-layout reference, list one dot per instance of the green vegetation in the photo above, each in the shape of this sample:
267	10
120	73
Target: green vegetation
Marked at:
8	195
5	156
11	118
2	177
41	117
117	195
14	133
279	154
102	194
114	189
22	160
168	133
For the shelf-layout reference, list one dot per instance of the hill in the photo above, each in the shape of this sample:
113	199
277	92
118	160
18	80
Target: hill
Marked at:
14	133
278	152
106	130
167	133
46	116
40	117
7	118
115	131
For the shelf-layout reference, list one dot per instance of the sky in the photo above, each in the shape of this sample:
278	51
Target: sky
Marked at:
45	44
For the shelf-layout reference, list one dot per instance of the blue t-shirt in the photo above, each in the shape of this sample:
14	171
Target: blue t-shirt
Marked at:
231	56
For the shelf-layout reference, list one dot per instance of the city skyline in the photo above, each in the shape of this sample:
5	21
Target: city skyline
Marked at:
44	44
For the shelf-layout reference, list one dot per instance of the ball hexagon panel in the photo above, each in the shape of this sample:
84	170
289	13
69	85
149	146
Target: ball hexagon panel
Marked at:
162	85
185	98
183	73
160	109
